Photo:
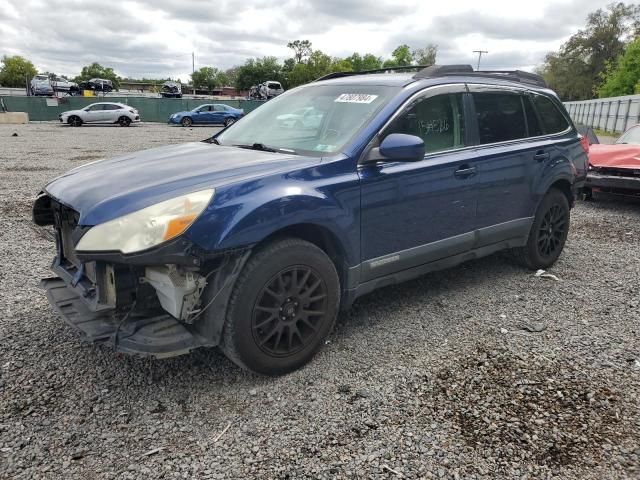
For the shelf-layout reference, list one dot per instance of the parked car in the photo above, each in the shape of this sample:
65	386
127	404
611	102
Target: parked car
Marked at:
42	88
307	117
254	240
215	113
61	84
98	85
104	112
171	90
266	90
615	168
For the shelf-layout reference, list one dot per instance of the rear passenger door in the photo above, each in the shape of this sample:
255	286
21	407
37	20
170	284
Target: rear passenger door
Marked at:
413	213
510	155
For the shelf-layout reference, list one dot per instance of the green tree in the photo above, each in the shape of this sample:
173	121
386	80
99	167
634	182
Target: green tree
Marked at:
622	77
95	70
400	57
258	70
209	78
16	71
425	56
360	63
575	71
301	49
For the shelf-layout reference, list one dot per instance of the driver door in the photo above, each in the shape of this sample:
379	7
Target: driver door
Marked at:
413	213
95	113
200	116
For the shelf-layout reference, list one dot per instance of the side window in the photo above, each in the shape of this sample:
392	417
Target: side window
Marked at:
532	119
553	121
218	108
500	117
438	120
96	108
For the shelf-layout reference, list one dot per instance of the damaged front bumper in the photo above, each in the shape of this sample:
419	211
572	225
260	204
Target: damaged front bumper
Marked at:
162	302
159	336
620	182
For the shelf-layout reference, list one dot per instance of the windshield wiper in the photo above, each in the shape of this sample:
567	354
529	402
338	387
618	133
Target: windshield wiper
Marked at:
265	148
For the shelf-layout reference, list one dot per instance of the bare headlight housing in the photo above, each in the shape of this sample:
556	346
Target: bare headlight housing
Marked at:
148	227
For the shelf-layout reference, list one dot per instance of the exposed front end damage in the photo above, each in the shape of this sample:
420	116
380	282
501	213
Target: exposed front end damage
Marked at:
151	303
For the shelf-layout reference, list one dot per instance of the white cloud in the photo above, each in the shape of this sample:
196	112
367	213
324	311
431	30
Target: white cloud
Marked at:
155	38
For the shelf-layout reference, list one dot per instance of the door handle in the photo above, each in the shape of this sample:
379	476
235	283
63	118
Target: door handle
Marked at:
541	155
465	171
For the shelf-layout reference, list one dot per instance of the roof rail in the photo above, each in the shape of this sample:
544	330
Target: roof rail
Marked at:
468	71
377	70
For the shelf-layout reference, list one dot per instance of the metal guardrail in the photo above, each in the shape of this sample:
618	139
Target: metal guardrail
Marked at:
614	114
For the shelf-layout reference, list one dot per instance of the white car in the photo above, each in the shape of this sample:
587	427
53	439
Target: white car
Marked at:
104	112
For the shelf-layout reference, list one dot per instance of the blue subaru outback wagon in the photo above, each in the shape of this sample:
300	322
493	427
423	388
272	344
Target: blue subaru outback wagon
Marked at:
254	239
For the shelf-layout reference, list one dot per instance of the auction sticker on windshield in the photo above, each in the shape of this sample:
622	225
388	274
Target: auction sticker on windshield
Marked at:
356	98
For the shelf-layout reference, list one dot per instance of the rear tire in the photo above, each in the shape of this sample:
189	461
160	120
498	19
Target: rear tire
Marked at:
186	122
283	306
548	232
74	121
229	121
124	121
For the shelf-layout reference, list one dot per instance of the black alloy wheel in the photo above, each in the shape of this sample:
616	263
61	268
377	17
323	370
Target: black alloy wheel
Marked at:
124	121
548	233
74	121
552	231
282	308
288	311
229	121
186	122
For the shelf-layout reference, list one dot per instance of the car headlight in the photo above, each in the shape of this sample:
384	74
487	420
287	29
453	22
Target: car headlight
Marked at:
148	227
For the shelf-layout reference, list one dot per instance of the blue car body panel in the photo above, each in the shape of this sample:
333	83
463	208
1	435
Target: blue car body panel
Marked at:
207	117
372	211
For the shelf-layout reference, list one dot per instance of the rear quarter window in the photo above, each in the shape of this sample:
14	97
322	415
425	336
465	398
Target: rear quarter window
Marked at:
553	120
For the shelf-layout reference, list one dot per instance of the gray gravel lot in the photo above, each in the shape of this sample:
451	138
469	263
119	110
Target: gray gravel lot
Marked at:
436	378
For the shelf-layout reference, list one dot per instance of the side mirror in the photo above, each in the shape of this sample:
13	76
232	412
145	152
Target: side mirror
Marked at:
398	147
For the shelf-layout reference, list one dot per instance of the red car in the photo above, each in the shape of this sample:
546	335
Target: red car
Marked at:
615	168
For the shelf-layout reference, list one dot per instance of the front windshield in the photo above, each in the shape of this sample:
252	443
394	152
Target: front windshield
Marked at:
631	136
338	113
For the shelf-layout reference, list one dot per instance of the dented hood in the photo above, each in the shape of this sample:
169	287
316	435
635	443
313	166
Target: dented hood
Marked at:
107	189
615	156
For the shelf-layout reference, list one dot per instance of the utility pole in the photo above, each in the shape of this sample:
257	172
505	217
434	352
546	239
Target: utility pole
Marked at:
193	70
479	52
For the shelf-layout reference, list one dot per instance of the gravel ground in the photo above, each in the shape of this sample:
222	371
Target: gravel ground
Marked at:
440	377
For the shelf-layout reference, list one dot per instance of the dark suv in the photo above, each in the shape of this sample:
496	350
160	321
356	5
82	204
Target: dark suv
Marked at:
254	239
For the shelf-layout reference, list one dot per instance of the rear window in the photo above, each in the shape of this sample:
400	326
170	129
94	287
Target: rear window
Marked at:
553	121
500	117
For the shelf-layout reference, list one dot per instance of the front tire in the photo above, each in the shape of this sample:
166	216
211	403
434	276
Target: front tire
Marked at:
548	232
74	121
124	121
229	121
282	308
186	122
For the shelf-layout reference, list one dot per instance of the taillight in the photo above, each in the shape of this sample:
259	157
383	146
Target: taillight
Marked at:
584	142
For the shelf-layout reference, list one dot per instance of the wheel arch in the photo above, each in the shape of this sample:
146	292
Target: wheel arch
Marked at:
320	236
565	186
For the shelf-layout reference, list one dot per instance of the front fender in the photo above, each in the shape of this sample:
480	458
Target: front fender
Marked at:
243	215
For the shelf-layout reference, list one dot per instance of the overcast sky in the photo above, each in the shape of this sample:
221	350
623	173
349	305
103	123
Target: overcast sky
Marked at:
155	38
